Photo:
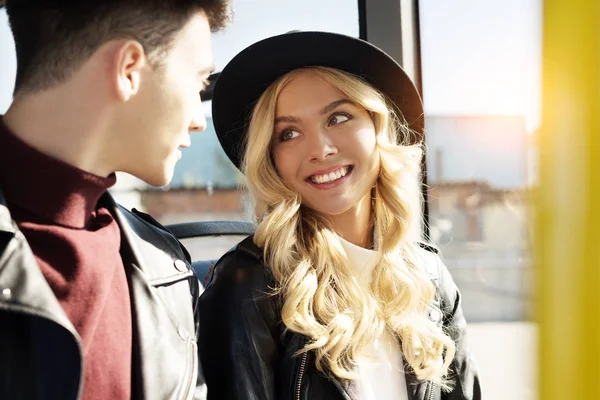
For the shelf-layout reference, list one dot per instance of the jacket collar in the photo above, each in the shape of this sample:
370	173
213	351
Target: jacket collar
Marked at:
7	228
29	291
28	287
162	331
155	252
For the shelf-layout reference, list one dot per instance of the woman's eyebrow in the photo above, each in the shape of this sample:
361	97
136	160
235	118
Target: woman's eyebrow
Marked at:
286	118
332	106
325	110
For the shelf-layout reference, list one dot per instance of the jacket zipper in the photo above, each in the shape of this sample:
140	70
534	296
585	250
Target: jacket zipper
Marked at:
301	375
430	397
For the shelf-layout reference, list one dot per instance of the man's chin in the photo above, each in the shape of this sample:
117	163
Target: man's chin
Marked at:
157	174
159	179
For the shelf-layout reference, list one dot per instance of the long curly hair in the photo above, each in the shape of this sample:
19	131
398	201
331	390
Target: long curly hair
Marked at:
320	299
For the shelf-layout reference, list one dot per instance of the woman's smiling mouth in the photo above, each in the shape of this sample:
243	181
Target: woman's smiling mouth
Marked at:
329	178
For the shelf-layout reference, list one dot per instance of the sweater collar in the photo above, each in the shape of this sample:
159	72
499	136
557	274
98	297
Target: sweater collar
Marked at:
361	261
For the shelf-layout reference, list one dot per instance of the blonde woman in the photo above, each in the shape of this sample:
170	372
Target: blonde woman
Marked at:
332	298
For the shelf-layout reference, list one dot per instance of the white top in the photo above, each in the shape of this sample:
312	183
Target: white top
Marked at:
381	375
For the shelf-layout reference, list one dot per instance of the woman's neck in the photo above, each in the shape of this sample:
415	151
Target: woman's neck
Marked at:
355	225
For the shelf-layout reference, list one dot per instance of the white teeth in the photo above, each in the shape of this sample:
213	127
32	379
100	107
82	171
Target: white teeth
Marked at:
330	177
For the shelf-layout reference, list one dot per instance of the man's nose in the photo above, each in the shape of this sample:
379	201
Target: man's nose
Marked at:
198	122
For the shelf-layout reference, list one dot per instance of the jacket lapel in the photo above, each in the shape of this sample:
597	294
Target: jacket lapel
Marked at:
22	275
27	291
164	347
416	390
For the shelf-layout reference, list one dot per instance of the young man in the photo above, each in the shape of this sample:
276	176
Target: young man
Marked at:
97	302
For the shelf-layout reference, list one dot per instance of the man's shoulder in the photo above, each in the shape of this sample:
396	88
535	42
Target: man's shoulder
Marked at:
153	232
163	256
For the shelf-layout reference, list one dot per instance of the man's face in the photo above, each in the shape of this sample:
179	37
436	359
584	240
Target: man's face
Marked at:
168	106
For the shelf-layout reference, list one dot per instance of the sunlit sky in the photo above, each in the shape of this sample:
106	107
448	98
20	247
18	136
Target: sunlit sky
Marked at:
479	56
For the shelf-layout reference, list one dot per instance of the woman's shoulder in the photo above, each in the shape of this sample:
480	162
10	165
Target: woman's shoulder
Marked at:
430	259
238	298
427	256
241	269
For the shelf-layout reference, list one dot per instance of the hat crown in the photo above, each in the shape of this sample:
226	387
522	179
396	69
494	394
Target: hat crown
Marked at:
250	72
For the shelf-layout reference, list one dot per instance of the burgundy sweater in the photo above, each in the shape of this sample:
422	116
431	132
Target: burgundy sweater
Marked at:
76	244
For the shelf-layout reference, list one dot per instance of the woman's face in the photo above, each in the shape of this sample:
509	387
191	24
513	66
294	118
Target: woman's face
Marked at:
324	146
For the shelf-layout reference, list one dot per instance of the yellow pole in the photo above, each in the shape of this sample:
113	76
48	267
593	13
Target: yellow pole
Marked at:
568	220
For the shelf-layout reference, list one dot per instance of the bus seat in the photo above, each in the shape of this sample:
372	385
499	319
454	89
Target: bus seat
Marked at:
190	230
203	270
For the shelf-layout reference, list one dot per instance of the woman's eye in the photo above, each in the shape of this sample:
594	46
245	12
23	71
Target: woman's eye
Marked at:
288	134
338	119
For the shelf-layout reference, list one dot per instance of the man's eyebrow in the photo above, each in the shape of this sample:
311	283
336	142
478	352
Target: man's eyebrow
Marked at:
207	70
325	110
332	106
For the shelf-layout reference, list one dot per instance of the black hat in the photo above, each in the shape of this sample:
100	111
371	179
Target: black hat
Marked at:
250	73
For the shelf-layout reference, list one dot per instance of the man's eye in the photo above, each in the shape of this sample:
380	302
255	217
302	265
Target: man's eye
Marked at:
339	118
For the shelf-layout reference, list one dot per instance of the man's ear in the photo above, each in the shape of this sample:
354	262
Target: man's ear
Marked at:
129	59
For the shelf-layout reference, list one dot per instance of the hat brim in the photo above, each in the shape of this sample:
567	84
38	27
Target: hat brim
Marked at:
249	74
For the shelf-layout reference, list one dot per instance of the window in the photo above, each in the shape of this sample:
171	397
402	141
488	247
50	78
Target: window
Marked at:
481	64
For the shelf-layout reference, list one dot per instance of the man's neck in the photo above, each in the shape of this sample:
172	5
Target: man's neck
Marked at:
63	124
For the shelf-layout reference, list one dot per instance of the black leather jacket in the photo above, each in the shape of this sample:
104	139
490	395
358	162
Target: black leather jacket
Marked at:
40	350
247	355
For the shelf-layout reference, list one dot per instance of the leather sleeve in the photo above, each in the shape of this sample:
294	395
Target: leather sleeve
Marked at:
236	345
463	368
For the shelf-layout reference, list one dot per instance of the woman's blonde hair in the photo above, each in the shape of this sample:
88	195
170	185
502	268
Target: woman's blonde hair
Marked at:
320	297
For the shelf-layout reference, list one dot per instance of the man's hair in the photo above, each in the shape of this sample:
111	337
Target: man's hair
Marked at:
55	37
